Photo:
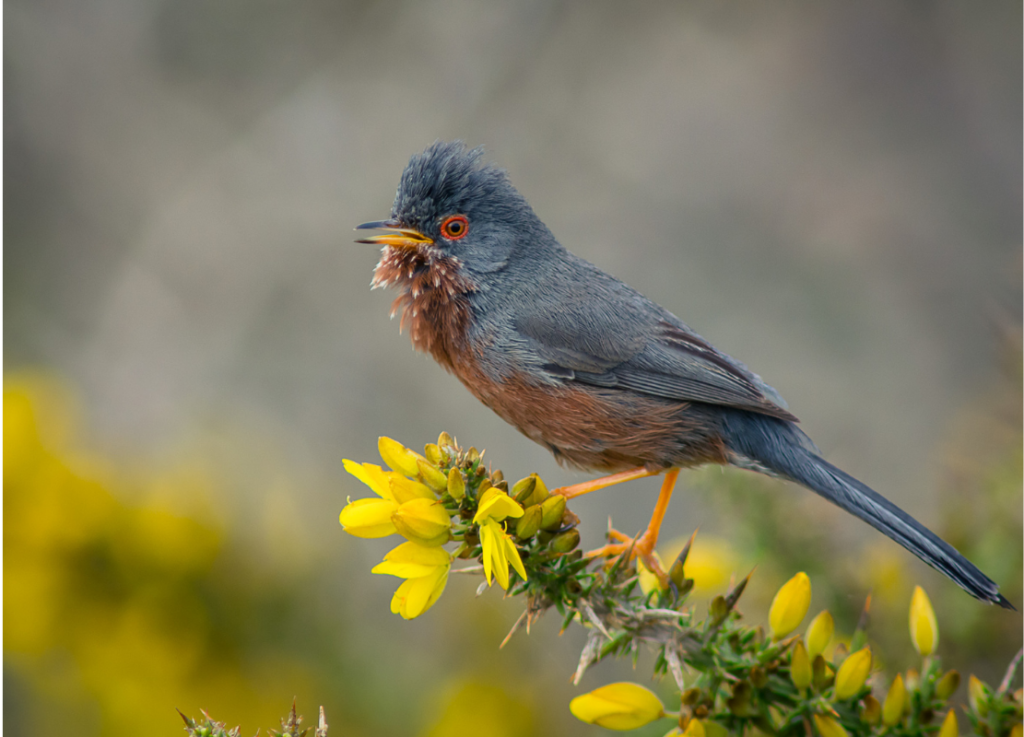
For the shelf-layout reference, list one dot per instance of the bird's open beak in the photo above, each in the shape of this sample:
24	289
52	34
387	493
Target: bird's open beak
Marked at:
399	237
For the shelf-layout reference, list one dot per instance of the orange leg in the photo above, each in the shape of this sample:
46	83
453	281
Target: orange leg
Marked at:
604	482
644	545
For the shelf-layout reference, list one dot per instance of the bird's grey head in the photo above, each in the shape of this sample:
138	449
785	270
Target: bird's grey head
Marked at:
449	200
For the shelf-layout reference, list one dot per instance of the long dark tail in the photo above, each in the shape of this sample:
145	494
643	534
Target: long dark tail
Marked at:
779	447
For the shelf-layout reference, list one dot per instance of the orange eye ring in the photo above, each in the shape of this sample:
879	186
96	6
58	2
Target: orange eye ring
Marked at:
455	227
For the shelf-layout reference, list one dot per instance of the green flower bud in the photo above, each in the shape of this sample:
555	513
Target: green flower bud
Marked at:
565	542
523	488
529	523
553	508
800	666
947	685
895	701
872	711
445	441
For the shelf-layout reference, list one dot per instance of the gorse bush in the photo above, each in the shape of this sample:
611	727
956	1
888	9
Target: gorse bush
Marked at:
732	678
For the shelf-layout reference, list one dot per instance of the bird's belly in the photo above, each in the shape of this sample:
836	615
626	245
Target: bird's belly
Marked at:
599	428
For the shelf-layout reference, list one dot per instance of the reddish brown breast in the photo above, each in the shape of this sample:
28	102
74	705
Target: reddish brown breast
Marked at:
433	299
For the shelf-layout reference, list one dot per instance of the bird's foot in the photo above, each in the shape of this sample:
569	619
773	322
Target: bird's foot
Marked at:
641	547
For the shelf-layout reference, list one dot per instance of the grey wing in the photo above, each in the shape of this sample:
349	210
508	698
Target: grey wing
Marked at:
623	340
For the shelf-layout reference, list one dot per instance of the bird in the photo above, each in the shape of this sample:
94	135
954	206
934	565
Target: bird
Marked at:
603	377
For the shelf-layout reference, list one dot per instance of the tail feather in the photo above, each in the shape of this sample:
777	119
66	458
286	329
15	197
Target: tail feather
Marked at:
780	448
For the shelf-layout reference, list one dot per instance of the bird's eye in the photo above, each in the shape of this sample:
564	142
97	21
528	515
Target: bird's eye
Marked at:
455	227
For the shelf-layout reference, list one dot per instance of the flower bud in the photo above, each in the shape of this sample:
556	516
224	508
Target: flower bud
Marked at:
949	726
790	605
553	508
977	696
423	521
714	729
456	485
872	711
432	476
529	523
472	455
619	706
433	454
523	488
800	666
947	685
368	517
565	542
924	630
821	675
852	674
445	441
397	456
828	726
895	701
819	634
1017	730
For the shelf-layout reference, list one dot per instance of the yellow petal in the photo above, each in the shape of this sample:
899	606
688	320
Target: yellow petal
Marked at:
819	634
892	708
790	605
619	706
368	517
829	727
397	456
512	553
404	490
853	673
410	560
800	666
495	560
423	521
924	630
497	505
417	595
432	476
371	475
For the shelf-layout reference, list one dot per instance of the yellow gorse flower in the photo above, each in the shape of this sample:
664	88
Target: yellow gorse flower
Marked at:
499	552
398	457
423	521
790	605
370	517
949	726
695	729
426	573
619	706
895	700
800	666
819	634
852	674
495	504
924	630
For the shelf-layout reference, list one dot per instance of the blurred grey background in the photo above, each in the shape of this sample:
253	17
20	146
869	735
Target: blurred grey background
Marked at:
828	191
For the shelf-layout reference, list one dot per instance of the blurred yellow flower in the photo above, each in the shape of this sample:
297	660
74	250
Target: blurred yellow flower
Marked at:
499	552
924	630
369	518
800	666
949	726
426	572
828	727
852	674
819	633
710	562
423	521
619	706
695	729
895	700
790	605
649	582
